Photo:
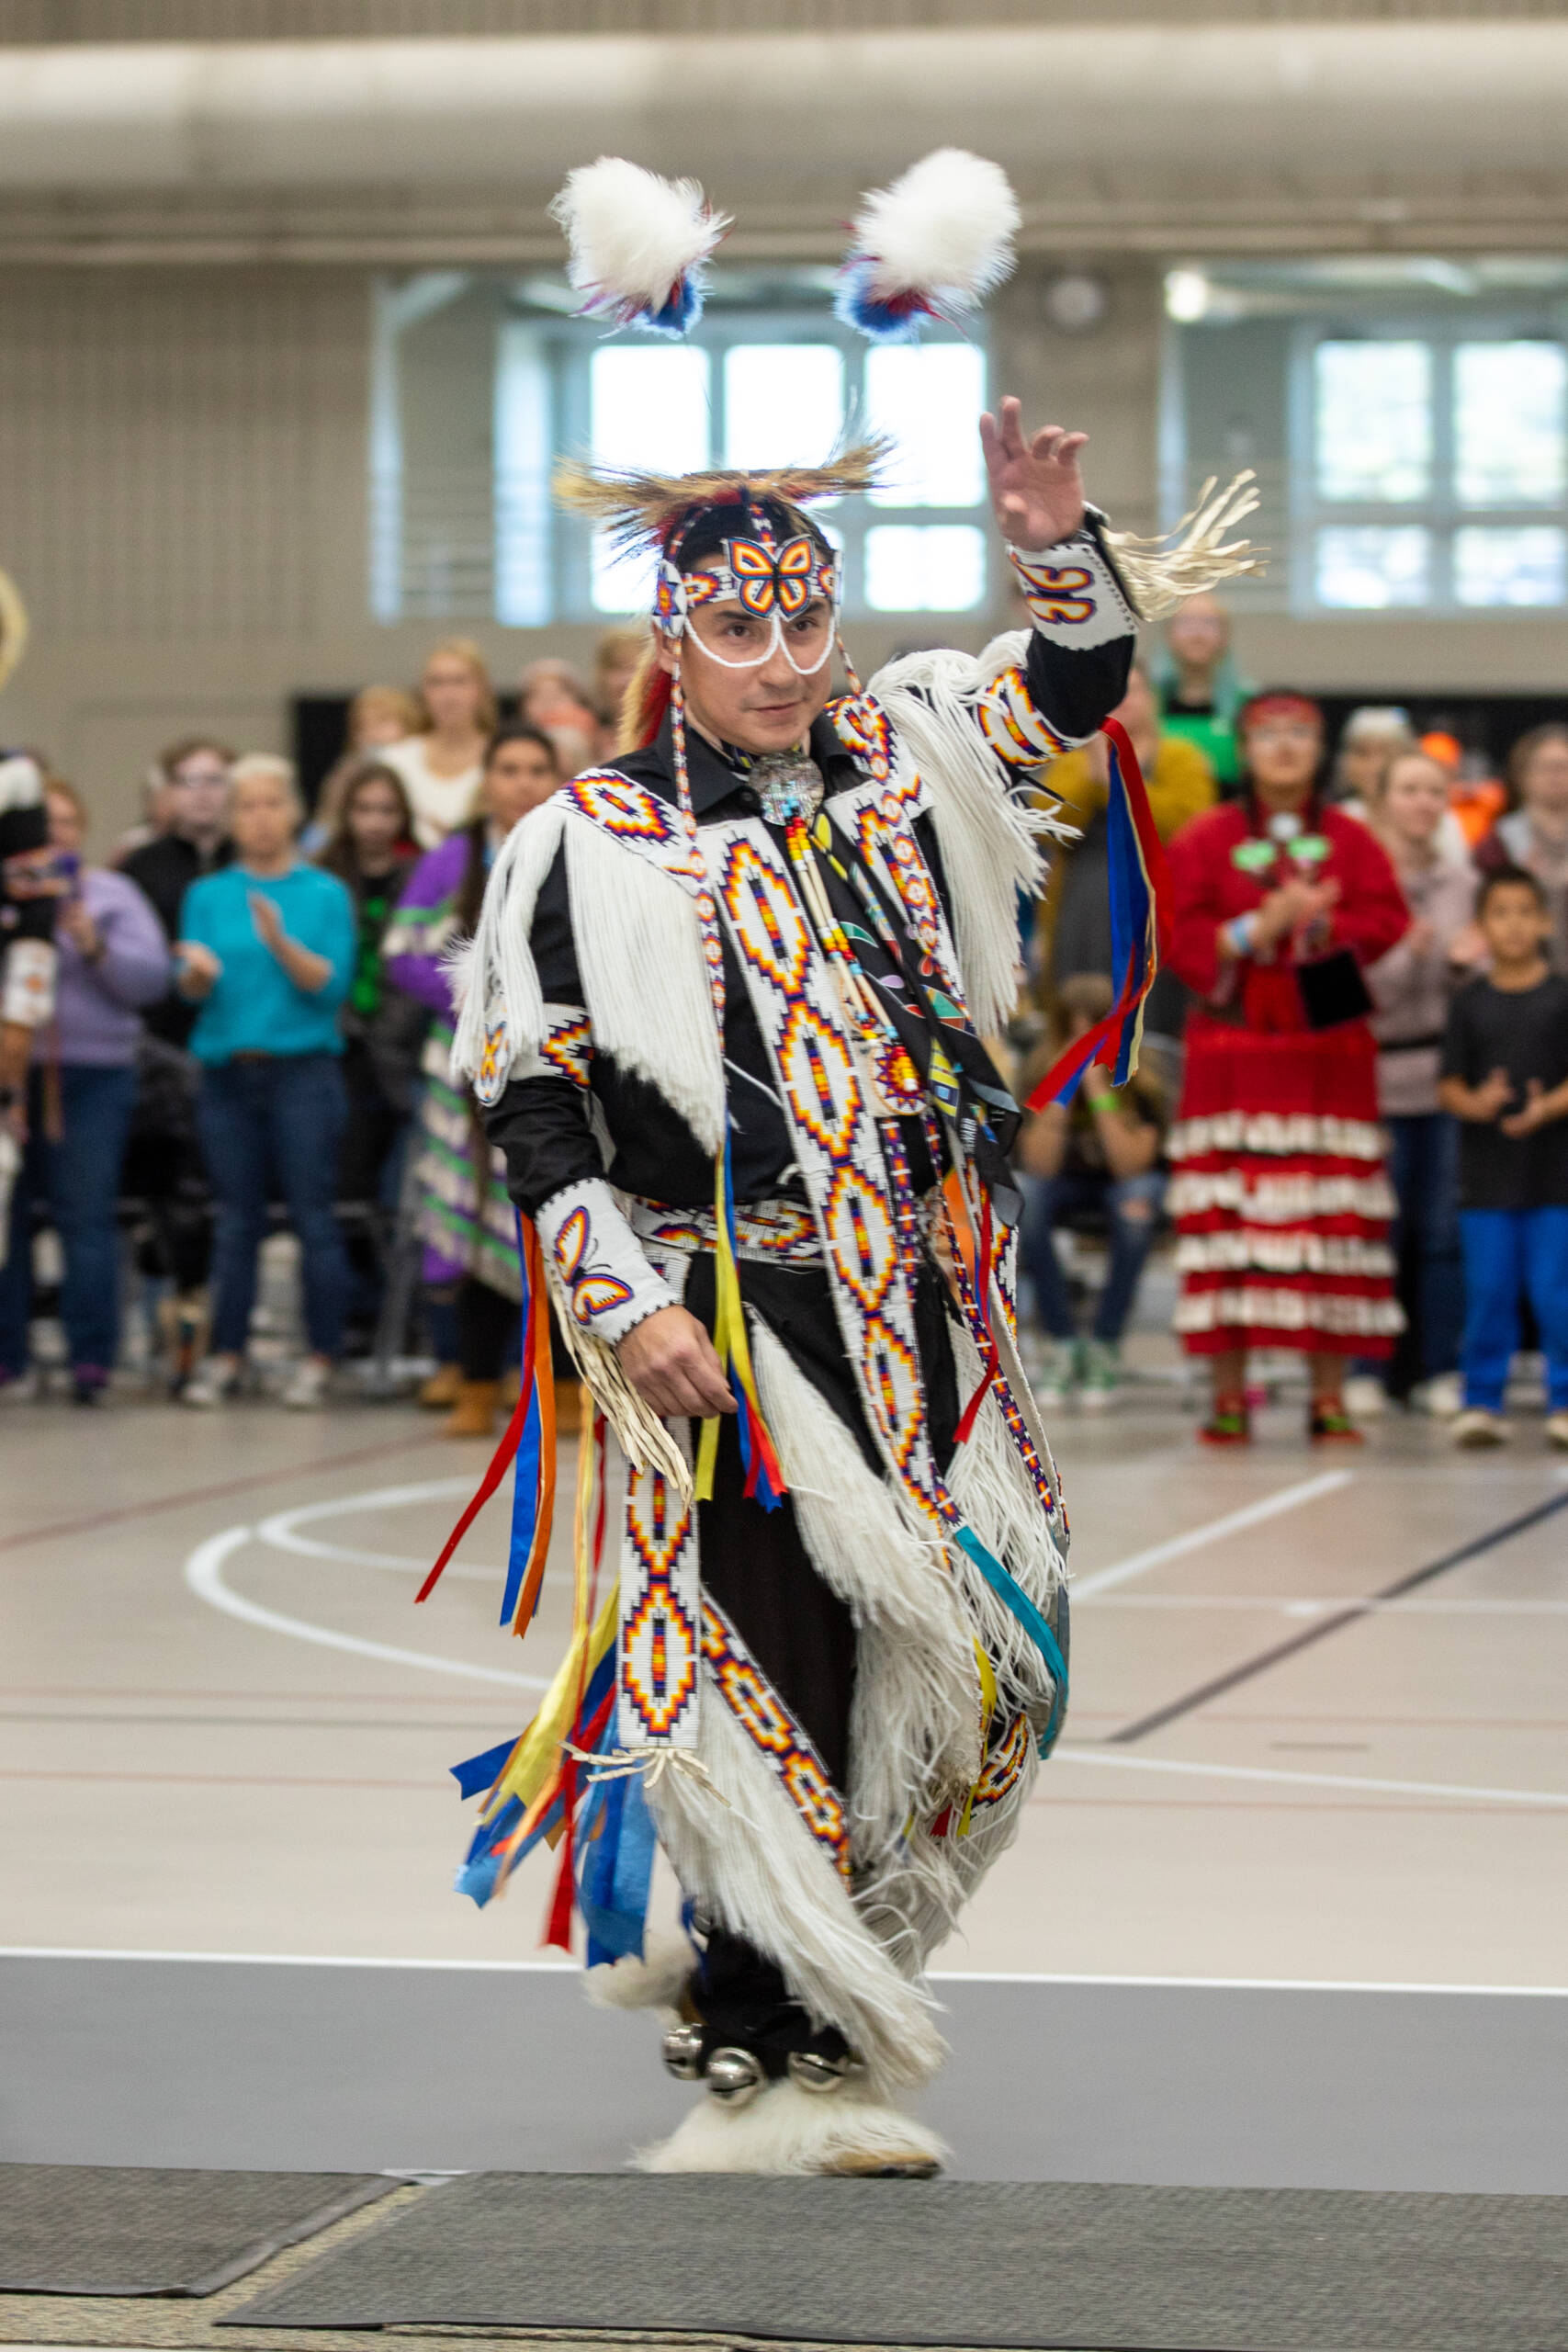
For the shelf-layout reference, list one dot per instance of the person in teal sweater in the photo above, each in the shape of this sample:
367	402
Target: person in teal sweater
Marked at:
267	950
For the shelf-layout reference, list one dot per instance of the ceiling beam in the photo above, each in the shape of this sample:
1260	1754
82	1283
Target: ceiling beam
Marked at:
1148	138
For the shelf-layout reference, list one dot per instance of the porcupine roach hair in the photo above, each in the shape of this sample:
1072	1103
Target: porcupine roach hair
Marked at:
651	511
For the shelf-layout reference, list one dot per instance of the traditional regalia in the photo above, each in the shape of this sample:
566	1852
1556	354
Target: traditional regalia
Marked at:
1280	1192
723	1012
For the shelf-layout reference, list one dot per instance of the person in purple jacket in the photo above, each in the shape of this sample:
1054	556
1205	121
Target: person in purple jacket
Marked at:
465	1217
112	960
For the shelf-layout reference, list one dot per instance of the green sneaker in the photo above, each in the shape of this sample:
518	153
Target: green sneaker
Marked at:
1099	1373
1057	1376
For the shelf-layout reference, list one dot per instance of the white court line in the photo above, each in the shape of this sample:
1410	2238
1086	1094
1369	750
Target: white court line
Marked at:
1552	1800
939	1975
204	1575
281	1530
1269	1605
1253	1515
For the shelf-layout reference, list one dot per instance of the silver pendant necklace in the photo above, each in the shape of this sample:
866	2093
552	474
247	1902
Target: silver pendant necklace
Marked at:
788	785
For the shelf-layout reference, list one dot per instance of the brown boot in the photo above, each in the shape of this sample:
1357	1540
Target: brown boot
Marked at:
441	1389
473	1415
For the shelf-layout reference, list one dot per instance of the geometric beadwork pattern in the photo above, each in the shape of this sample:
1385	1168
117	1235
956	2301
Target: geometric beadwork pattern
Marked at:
999	1776
837	1143
1013	728
861	724
877	819
629	812
568	1042
777	1737
770	1233
661	1601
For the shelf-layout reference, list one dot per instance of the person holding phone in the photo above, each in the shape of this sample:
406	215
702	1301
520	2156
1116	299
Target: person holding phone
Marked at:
111	962
266	953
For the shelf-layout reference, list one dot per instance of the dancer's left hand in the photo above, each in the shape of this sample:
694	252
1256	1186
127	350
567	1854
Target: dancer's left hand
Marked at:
1037	489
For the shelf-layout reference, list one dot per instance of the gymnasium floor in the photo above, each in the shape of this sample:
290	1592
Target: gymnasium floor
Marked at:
225	1732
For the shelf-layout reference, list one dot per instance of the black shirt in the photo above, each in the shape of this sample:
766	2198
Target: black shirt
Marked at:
542	1128
164	870
1525	1032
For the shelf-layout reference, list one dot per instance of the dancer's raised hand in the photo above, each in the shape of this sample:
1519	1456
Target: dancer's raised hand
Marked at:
1036	488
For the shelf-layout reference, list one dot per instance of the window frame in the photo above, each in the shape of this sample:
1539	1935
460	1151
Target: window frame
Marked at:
567	346
1440	513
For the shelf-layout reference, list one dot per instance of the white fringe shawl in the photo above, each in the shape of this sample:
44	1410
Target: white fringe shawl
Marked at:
995	1493
989	846
501	963
915	1724
639	950
741	1852
639	953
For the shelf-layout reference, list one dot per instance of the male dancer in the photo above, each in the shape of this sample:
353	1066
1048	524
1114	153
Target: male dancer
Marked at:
767	942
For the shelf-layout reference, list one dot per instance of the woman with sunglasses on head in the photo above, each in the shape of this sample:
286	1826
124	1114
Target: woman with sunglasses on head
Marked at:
1279	1188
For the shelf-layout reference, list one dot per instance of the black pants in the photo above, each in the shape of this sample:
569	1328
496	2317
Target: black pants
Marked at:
488	1337
756	1569
486	1329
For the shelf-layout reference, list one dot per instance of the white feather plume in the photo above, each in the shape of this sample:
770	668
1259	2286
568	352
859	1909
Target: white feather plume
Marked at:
637	241
944	232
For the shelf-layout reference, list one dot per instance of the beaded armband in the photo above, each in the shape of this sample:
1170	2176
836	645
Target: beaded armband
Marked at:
610	1287
1072	591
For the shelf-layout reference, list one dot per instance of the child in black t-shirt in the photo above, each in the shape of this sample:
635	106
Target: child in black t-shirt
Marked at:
1504	1077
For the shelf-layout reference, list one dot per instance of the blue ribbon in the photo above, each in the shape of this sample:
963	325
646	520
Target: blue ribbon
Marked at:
616	1869
1034	1625
525	1467
482	1772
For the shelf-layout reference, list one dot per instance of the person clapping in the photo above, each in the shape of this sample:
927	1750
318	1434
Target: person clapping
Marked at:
267	952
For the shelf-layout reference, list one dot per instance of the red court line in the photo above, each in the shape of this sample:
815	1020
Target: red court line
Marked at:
117	1518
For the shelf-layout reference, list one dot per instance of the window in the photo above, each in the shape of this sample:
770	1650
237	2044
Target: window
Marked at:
480	382
1407	418
1471	433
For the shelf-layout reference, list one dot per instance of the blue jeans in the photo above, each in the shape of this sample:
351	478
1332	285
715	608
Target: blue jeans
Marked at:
1131	1213
1423	1168
78	1179
1507	1251
281	1116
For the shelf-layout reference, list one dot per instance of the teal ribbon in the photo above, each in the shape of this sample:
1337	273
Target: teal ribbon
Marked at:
1034	1625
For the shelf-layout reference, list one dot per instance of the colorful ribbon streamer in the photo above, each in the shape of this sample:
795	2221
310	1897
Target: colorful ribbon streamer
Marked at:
529	1440
764	1479
1140	898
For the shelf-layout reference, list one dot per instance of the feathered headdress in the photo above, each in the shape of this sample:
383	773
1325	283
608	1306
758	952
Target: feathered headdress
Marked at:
932	246
640	245
641	510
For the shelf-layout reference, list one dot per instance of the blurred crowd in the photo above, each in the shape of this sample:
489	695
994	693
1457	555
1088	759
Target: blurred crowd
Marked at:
253	1016
255	1003
1352	1100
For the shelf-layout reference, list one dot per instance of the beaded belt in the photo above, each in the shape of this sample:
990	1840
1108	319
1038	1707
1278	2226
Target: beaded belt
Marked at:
779	1233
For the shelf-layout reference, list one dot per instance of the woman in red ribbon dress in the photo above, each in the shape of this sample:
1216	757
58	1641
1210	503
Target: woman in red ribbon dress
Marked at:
1280	1195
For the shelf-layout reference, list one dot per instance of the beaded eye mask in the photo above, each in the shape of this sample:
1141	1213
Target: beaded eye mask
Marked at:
772	584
